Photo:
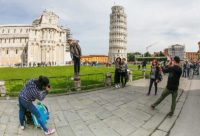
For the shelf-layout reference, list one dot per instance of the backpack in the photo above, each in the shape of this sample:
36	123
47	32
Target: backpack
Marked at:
43	110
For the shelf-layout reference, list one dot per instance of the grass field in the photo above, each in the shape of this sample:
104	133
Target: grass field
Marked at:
60	77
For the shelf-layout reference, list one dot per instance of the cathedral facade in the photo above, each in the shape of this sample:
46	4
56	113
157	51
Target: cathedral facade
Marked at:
43	42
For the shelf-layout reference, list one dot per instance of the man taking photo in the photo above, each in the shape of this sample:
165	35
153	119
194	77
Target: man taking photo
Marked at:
175	71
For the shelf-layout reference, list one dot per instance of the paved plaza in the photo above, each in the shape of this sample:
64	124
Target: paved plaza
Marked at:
189	120
106	112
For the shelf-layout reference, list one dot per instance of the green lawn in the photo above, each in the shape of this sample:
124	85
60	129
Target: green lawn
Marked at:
60	77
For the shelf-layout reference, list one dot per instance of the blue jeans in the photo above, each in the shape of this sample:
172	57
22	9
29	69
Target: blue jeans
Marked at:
25	105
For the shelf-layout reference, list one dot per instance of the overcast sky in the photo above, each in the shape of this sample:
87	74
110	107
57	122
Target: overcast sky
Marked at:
163	22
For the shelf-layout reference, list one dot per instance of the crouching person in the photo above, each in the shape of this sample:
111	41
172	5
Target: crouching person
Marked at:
34	89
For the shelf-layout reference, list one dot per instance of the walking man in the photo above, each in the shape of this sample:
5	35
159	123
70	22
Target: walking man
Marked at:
175	71
75	51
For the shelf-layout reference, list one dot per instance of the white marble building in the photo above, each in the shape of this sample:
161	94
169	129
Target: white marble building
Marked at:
177	50
118	34
42	42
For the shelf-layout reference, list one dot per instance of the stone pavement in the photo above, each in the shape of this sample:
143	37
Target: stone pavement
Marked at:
189	120
107	112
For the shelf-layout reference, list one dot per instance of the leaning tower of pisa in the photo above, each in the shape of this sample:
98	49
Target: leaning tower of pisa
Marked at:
118	34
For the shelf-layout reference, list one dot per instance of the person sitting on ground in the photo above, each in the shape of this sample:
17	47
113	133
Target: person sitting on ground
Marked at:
34	89
174	69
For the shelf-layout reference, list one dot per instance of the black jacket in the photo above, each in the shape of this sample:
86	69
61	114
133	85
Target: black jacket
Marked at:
157	73
174	76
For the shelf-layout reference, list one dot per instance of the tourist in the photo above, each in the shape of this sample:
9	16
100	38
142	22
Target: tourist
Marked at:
75	51
34	89
196	68
117	72
144	63
138	66
175	71
155	76
124	75
184	70
188	68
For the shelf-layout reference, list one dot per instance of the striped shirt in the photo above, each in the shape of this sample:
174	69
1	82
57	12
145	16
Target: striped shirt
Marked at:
31	92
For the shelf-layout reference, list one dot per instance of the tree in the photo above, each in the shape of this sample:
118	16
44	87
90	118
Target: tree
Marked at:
147	54
137	53
131	57
161	54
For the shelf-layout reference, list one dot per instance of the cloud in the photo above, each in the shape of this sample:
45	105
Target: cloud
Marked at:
164	22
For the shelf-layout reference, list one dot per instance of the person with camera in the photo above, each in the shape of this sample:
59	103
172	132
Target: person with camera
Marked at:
175	71
34	89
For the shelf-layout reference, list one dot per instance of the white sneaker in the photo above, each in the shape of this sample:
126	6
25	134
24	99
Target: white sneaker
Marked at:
22	127
116	86
50	131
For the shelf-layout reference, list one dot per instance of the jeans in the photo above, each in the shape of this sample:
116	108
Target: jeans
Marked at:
117	76
123	78
184	73
155	84
165	93
188	72
25	105
76	65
